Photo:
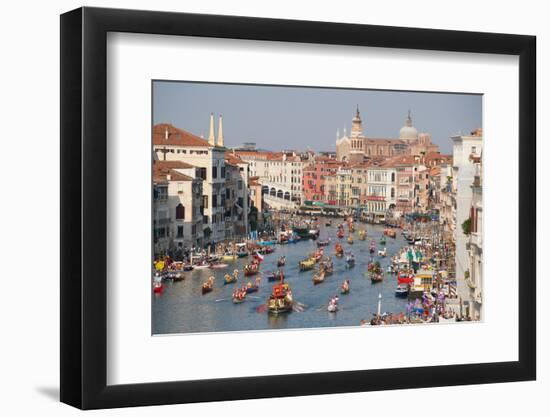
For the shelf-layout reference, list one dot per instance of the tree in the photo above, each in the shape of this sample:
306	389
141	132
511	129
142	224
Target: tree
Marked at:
467	226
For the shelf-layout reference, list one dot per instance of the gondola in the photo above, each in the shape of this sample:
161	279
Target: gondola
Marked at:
208	286
251	269
276	276
318	278
344	288
307	264
339	250
375	278
322	243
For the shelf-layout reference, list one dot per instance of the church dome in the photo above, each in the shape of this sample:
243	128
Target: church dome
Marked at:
408	132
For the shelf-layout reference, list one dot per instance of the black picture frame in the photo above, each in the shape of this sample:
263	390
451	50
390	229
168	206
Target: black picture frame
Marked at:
84	207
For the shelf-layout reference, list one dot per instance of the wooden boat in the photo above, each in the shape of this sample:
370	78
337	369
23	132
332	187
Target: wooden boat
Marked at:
329	223
266	250
276	276
326	267
242	254
281	261
250	288
382	241
158	287
333	305
175	275
318	255
382	253
350	260
402	290
280	301
390	233
372	247
318	278
307	264
239	296
228	257
188	267
340	234
208	285
322	243
362	234
350	240
344	288
339	250
376	277
229	279
251	269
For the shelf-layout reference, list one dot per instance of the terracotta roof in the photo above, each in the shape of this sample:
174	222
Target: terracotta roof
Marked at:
232	159
399	160
176	136
434	171
161	175
172	164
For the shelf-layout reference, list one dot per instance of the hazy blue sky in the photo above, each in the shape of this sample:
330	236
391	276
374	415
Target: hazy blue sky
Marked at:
298	118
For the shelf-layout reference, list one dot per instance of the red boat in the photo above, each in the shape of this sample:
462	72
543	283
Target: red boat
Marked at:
158	287
404	278
340	234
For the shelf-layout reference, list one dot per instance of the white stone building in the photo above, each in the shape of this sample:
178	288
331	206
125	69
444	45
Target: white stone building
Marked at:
465	149
381	191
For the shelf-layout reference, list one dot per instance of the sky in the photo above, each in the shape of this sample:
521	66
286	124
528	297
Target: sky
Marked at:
279	117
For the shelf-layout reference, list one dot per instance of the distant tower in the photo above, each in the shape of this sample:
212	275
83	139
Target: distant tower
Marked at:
220	132
356	125
211	139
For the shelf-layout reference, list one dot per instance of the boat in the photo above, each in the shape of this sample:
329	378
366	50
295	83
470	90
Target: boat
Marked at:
372	246
350	240
239	296
376	277
280	301
175	275
318	278
344	288
326	267
158	287
228	257
251	269
276	276
188	267
382	253
339	250
208	285
402	290
340	234
322	243
281	261
267	242
404	278
250	288
362	234
307	264
382	241
243	254
390	233
350	260
229	279
333	305
266	250
318	255
329	223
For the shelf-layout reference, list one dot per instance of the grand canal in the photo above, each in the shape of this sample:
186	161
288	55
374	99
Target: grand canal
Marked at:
182	309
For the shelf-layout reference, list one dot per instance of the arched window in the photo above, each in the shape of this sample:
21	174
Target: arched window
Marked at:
393	177
180	212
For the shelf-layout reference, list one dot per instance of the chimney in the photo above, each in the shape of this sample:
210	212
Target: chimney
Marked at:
220	132
166	134
211	139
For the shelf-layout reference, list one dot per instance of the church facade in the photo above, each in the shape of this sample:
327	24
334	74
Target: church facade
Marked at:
357	148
